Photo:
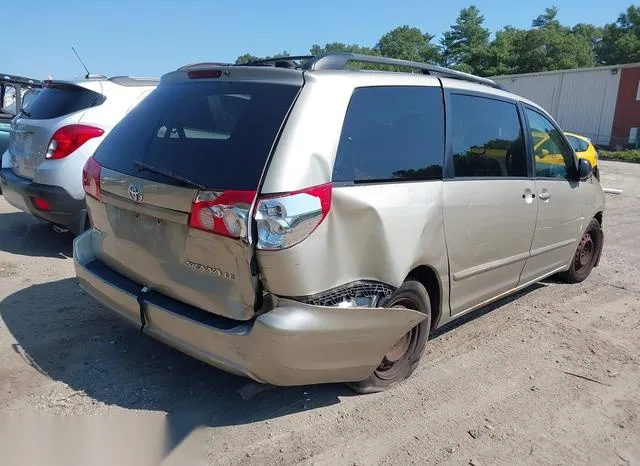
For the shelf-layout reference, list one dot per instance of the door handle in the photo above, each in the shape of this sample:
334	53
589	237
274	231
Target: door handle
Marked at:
545	196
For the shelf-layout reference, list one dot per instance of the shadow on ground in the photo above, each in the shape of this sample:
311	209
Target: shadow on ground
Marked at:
67	336
23	234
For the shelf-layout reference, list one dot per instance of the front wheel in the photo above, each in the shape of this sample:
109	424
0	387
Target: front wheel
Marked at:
586	255
403	357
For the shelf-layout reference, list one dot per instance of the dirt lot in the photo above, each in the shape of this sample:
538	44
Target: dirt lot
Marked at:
551	377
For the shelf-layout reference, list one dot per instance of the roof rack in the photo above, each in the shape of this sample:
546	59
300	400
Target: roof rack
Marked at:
339	61
281	62
20	80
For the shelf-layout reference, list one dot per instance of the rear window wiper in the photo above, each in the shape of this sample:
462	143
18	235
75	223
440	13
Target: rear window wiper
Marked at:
168	174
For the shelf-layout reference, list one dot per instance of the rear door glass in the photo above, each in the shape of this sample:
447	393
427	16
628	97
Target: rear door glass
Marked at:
392	133
59	100
216	134
486	138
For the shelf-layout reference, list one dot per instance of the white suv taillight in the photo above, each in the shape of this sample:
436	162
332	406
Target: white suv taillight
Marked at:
69	138
287	219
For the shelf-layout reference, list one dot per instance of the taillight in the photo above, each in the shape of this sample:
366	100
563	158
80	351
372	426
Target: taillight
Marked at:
91	178
286	220
68	138
41	203
224	213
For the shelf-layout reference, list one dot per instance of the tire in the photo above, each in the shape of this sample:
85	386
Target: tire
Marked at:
587	254
403	359
596	173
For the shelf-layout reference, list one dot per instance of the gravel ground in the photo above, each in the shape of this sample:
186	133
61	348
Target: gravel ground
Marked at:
551	376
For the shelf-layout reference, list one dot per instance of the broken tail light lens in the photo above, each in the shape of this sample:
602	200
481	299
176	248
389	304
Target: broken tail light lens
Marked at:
286	220
91	178
224	213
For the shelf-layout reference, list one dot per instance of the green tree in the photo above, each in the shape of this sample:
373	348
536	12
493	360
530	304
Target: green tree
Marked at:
550	46
246	58
346	48
500	57
548	19
408	43
621	40
466	44
340	47
592	34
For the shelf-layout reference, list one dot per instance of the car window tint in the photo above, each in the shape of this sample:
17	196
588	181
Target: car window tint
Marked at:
392	133
486	138
553	156
58	100
216	133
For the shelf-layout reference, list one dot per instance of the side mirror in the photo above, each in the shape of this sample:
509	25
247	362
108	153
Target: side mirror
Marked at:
584	169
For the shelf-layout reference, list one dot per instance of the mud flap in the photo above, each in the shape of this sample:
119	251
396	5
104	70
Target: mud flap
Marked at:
601	243
141	306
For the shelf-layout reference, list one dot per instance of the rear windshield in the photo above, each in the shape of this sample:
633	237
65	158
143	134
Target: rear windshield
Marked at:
57	101
215	134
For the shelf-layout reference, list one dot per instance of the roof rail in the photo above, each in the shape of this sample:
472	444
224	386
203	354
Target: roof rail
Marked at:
197	65
339	61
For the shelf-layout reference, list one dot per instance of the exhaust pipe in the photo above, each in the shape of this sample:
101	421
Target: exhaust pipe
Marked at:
59	229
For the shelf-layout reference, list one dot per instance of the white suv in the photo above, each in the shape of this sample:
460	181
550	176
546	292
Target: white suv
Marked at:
51	141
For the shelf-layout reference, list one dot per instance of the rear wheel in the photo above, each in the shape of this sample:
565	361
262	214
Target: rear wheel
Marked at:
586	255
596	173
403	357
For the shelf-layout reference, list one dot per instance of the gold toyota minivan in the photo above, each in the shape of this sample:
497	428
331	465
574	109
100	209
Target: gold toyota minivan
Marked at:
296	221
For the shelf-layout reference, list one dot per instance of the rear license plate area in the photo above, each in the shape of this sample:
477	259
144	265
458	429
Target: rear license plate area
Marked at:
143	230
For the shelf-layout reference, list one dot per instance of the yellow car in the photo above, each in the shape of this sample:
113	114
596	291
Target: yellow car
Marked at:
545	151
585	150
543	147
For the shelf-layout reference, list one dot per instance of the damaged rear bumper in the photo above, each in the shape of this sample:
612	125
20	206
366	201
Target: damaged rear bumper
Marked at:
292	344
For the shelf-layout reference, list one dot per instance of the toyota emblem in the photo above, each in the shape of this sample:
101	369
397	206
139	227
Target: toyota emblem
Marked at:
135	192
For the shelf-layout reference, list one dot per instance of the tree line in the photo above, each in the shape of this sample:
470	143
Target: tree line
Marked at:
469	46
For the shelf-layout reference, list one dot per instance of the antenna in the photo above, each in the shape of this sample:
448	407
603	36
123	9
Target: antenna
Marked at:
80	59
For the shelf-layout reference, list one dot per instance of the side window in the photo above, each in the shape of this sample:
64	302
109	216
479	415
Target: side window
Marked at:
578	144
553	156
8	104
392	133
487	138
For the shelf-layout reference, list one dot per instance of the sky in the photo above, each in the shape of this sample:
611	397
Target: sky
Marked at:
152	37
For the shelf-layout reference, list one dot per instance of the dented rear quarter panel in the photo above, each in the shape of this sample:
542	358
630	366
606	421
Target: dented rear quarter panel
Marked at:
376	231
